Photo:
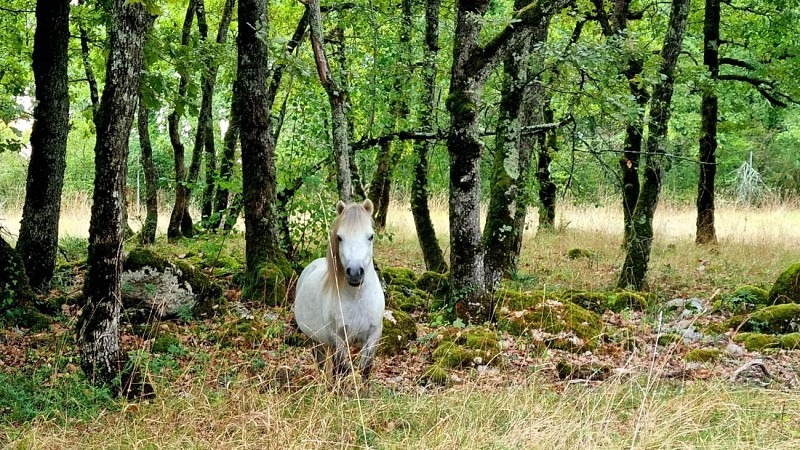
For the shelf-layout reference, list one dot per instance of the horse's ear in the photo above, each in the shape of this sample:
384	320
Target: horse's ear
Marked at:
368	206
340	207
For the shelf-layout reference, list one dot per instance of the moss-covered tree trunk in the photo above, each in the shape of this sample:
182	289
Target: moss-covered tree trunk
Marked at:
505	181
533	105
426	233
632	147
38	236
226	164
148	233
337	101
175	229
706	233
258	148
547	188
98	333
472	64
637	251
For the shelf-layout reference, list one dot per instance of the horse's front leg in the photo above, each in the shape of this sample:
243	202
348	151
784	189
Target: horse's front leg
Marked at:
320	355
368	355
341	358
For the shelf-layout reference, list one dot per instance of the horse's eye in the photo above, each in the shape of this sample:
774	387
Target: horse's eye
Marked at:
339	238
370	237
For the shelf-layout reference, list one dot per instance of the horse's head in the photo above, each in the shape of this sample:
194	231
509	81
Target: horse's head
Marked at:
351	240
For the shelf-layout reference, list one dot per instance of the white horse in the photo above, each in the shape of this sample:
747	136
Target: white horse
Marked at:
339	300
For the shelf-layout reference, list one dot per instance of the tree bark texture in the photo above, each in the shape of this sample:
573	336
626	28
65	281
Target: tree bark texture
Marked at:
226	167
637	251
615	22
258	148
336	97
176	220
148	233
472	64
632	147
510	167
706	233
98	334
426	233
547	188
38	237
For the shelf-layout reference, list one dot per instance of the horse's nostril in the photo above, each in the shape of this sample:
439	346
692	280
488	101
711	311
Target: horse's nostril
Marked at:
347	271
361	272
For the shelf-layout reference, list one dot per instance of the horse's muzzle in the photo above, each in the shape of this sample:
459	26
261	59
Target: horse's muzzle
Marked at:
354	276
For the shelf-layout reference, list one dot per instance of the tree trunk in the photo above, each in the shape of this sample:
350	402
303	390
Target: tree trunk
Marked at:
431	252
258	148
337	101
472	65
533	103
174	229
637	252
632	148
98	334
226	168
208	90
505	186
148	233
547	188
706	234
38	237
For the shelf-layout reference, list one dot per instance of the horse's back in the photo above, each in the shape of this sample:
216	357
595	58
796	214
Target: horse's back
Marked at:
308	303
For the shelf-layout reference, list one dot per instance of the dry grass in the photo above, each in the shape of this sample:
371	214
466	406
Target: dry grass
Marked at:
619	414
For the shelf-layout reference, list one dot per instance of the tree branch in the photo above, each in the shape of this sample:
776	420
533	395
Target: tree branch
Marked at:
483	59
737	63
762	86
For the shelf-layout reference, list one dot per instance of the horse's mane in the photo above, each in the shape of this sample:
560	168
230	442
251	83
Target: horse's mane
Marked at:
352	215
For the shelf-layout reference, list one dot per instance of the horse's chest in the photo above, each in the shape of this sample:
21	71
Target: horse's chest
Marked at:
356	322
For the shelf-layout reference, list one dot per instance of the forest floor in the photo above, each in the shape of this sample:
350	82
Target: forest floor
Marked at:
256	391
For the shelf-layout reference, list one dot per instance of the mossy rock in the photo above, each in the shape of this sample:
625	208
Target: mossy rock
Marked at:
775	319
703	355
466	347
435	283
786	288
790	341
153	284
744	299
436	374
564	319
408	300
757	341
593	301
164	342
628	300
270	285
399	330
511	300
578	253
400	276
